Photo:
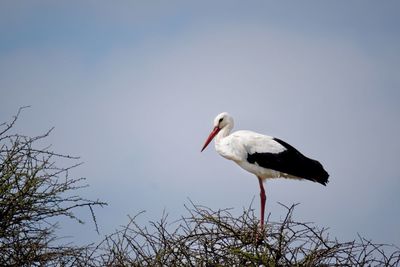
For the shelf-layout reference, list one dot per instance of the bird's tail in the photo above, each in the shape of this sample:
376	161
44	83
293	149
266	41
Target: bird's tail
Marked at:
318	174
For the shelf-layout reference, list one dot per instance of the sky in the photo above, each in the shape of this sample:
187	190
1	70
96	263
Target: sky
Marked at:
132	87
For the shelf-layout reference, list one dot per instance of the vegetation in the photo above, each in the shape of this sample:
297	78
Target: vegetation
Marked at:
36	194
216	238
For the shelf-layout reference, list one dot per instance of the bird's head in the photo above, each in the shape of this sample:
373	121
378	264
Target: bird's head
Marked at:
223	120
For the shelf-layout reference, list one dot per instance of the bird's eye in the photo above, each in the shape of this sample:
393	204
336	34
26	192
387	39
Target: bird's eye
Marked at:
220	120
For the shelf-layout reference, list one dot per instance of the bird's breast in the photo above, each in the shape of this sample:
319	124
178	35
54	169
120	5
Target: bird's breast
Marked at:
230	149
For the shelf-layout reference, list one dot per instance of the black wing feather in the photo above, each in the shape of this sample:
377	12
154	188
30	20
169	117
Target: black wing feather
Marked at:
292	162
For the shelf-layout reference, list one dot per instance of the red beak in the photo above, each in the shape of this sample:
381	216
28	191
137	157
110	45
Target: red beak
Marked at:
210	137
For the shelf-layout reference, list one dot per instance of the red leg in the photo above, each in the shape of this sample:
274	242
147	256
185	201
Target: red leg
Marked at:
263	199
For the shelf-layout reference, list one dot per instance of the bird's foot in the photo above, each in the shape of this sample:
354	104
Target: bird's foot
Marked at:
260	234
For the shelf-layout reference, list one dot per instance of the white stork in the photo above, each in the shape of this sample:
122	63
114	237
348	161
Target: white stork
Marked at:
262	155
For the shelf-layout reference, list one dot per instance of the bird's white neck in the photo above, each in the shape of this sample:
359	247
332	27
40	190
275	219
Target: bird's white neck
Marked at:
224	132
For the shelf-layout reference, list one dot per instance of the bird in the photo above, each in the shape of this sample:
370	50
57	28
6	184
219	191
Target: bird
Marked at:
262	155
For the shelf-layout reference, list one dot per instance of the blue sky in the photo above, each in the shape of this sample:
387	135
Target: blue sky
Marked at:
133	89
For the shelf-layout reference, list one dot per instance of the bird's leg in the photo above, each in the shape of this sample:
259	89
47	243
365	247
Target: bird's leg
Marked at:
263	199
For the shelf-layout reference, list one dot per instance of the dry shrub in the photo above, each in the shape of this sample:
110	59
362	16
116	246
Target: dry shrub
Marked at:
216	238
